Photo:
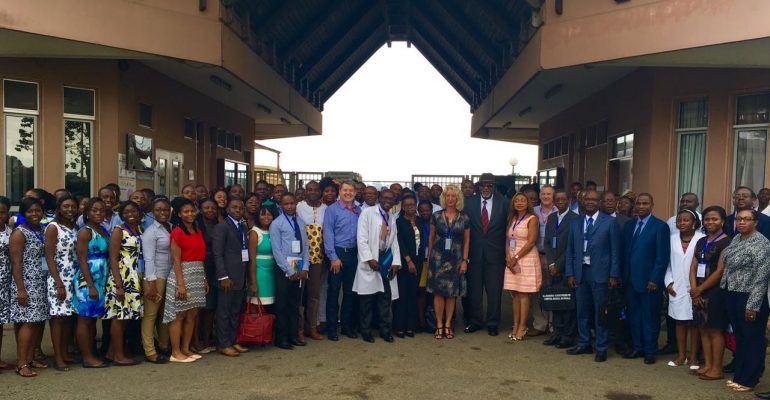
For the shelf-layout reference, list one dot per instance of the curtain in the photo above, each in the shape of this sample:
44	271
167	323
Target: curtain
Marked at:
750	158
692	162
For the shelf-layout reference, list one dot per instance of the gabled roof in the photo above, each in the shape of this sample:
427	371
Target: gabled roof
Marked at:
317	45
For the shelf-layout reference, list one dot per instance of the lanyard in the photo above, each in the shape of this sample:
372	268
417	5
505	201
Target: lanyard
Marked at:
38	234
294	226
544	217
559	220
138	237
384	219
518	222
240	230
707	245
449	226
351	209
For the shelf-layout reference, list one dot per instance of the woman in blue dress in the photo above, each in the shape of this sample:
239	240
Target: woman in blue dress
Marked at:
90	279
5	271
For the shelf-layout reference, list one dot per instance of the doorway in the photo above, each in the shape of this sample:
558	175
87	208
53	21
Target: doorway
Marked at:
170	167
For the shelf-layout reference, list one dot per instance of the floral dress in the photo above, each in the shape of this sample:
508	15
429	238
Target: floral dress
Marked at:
65	263
5	277
444	278
34	281
129	266
98	267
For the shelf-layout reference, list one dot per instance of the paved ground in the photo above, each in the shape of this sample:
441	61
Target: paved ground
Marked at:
469	367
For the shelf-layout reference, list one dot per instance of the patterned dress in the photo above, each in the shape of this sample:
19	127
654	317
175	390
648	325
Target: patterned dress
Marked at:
530	279
98	267
444	278
265	267
5	277
129	268
65	263
34	281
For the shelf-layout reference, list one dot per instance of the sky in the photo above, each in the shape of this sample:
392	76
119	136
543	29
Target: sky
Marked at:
395	117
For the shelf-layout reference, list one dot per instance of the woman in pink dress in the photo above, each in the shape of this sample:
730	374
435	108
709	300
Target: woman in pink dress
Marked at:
523	276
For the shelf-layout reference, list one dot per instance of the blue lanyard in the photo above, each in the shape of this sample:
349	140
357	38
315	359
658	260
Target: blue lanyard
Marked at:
384	220
708	245
518	222
38	234
558	221
293	226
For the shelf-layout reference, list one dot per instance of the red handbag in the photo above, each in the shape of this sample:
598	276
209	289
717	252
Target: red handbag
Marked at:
255	328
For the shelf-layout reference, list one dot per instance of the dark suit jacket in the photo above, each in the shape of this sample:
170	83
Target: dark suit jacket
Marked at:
646	258
604	250
622	219
763	225
557	256
406	243
226	242
489	247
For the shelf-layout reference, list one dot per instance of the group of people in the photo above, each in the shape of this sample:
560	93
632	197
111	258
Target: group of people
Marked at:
170	277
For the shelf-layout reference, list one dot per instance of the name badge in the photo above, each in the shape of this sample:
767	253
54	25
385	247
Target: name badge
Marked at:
553	242
512	243
44	264
447	244
140	265
701	273
295	246
244	255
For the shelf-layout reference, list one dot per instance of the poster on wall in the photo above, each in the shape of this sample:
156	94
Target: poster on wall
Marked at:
126	178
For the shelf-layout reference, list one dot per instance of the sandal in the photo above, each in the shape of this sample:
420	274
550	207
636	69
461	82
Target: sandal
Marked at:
37	364
30	374
740	388
449	333
439	334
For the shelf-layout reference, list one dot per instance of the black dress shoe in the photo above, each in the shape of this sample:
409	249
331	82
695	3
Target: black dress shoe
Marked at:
333	336
284	345
350	333
649	360
410	333
552	341
492	330
601	356
762	395
580	350
400	335
565	344
470	328
367	337
388	338
729	368
295	342
632	354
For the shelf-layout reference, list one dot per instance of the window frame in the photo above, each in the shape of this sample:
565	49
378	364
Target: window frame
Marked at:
24	111
679	133
735	131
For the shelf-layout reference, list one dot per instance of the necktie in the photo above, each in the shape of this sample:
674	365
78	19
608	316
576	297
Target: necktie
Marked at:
297	235
484	217
638	230
589	229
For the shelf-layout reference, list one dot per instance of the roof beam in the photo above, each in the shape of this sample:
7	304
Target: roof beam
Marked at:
495	17
269	22
459	81
354	46
287	50
470	30
356	18
448	36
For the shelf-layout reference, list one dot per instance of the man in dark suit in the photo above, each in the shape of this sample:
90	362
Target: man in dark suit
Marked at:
555	245
488	214
230	258
743	199
646	256
592	268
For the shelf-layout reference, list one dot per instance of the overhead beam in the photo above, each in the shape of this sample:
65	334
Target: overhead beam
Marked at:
457	80
287	50
334	64
355	19
495	17
470	30
269	22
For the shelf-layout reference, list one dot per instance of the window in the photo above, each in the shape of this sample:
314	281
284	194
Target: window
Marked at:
221	138
623	146
751	121
230	144
238	143
190	129
691	134
231	172
556	148
145	115
79	114
20	111
621	162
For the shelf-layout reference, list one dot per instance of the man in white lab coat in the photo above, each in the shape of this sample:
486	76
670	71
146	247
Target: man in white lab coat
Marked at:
377	287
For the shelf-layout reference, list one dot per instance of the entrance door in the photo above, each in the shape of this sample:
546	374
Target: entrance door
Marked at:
169	170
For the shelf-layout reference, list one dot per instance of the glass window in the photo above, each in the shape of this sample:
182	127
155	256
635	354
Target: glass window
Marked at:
238	142
691	131
176	176
79	102
243	174
222	138
77	156
162	170
750	157
189	128
623	146
752	109
230	140
19	155
145	115
229	173
693	114
20	96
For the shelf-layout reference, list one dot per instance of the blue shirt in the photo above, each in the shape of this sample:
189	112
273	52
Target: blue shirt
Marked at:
281	236
156	242
147	221
107	225
340	228
637	229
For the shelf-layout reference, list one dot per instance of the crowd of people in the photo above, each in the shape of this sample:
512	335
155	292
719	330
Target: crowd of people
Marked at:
169	278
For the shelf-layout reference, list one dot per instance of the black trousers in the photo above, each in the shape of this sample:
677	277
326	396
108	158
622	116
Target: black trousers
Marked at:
405	308
486	277
380	301
229	306
564	322
749	338
343	281
288	295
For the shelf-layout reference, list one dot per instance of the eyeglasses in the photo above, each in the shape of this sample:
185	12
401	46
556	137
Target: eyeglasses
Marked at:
487	185
744	219
741	197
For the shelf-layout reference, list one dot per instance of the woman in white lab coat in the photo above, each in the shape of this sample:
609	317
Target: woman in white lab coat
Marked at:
677	283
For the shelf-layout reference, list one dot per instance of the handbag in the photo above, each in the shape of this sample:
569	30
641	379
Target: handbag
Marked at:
385	261
557	298
255	328
613	309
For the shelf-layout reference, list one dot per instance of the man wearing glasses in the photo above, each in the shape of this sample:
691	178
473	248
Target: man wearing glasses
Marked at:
743	199
488	215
